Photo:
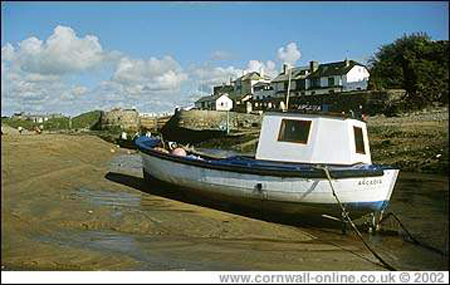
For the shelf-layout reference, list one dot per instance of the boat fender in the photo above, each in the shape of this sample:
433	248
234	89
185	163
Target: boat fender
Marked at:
179	151
172	145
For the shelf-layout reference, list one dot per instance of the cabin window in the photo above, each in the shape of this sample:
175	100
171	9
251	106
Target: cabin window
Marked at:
359	140
296	131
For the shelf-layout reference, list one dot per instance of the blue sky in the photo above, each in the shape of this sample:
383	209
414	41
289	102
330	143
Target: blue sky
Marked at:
155	55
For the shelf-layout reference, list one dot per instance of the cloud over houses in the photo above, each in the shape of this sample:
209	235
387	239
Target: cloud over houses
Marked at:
289	54
47	74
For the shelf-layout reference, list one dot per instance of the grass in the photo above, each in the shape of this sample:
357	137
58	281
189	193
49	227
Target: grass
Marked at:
86	120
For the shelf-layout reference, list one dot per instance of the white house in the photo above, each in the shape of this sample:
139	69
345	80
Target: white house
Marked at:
297	76
244	84
219	102
335	77
224	103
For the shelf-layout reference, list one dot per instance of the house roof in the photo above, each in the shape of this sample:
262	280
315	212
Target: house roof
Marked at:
208	98
211	97
334	68
260	84
252	76
296	74
249	76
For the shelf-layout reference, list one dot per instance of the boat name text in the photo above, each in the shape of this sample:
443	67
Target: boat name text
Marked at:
370	181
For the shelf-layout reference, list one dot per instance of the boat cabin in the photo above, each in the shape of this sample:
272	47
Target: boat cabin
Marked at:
313	138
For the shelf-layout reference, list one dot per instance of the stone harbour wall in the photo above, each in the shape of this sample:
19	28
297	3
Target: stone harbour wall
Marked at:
125	119
217	120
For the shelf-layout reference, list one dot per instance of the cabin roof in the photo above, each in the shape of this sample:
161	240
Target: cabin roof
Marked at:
328	138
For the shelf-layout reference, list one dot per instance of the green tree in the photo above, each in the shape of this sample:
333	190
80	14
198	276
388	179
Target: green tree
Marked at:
414	63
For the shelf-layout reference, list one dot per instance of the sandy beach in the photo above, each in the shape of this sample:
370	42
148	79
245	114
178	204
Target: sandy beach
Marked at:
76	202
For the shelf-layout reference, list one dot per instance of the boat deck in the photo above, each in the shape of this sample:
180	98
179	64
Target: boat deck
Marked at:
247	164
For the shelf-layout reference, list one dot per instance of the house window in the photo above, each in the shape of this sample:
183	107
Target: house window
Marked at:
296	131
330	81
315	82
359	140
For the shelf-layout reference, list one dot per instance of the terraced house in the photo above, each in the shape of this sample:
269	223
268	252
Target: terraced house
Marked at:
335	77
315	79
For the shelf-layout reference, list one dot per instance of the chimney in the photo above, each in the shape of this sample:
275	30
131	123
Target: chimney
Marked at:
313	66
347	62
285	66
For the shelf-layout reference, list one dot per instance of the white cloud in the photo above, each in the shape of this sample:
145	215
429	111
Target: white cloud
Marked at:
210	75
37	72
79	90
153	74
37	77
222	55
268	68
62	53
40	74
7	52
289	54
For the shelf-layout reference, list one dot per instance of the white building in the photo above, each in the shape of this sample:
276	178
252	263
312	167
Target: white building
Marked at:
263	90
297	77
336	77
220	102
224	103
244	85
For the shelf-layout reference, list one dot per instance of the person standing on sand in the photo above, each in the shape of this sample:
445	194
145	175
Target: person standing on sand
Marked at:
20	129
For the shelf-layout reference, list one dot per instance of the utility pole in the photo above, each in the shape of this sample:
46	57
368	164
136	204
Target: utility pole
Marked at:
289	89
228	122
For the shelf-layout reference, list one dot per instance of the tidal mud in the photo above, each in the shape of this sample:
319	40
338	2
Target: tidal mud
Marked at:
80	203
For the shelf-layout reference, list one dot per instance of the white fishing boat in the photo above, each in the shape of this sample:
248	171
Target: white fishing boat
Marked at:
305	164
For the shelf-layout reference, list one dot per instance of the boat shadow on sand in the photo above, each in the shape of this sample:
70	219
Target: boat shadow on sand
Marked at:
190	196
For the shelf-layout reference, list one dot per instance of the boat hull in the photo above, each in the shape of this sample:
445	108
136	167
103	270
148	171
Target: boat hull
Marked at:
278	193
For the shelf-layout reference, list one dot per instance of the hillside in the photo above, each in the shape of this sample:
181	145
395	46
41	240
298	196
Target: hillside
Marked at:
86	120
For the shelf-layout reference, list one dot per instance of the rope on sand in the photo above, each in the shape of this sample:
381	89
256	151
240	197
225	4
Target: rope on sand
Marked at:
413	239
346	217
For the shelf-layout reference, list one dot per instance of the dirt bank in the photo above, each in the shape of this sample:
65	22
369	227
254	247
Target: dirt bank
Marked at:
66	207
416	142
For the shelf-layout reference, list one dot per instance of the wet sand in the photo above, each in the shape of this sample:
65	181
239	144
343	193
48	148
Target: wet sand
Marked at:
80	203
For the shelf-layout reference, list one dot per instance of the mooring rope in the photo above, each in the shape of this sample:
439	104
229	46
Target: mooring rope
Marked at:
391	214
347	217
